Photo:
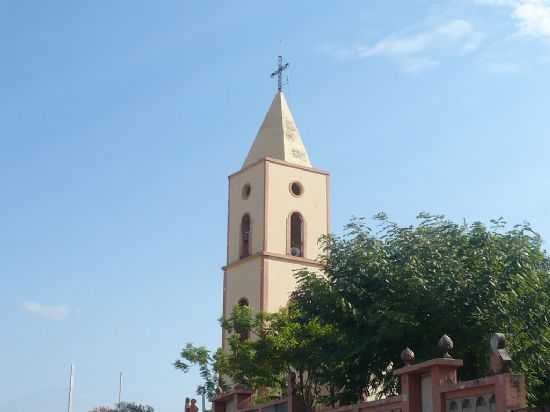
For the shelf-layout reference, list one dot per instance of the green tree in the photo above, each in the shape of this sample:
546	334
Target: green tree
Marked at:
208	364
399	286
125	407
386	288
279	345
263	351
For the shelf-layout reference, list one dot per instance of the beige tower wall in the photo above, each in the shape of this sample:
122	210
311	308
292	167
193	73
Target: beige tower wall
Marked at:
281	203
244	280
280	281
254	205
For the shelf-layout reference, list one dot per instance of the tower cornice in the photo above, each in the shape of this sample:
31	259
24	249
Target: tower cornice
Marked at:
283	163
275	256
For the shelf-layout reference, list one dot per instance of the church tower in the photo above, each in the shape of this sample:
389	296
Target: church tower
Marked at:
278	210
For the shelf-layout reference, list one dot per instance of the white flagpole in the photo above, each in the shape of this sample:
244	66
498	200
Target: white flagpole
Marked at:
119	388
71	383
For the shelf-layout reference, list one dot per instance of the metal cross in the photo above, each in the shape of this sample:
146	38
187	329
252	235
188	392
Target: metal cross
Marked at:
279	72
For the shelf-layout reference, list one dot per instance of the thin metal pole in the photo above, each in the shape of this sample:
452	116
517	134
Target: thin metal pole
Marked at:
203	403
119	389
70	402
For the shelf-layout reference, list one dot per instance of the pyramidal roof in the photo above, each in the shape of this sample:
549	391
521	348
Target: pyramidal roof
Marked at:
278	136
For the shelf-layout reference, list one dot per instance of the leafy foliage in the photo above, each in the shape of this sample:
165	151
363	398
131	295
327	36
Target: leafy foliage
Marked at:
208	368
263	351
280	344
406	286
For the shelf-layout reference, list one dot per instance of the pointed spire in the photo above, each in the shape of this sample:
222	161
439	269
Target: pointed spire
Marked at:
278	136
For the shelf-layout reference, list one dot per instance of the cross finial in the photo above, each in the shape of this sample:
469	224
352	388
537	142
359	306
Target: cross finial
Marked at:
279	72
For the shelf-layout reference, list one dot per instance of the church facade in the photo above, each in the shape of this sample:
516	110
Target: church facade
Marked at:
278	208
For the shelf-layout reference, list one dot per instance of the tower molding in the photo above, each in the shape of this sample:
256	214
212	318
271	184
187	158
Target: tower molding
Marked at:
281	162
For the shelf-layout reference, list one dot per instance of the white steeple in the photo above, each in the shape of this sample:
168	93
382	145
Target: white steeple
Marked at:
278	136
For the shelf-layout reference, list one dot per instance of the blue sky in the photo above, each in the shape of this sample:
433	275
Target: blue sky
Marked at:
120	121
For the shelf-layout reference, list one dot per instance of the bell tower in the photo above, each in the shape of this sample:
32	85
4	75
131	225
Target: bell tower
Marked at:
278	210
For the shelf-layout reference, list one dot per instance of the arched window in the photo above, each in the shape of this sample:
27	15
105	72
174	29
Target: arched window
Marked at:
243	330
296	234
245	236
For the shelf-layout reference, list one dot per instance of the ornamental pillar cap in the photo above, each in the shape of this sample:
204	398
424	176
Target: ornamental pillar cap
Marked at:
500	359
407	356
446	345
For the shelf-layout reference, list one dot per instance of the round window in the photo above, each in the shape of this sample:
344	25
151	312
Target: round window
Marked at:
296	188
246	191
